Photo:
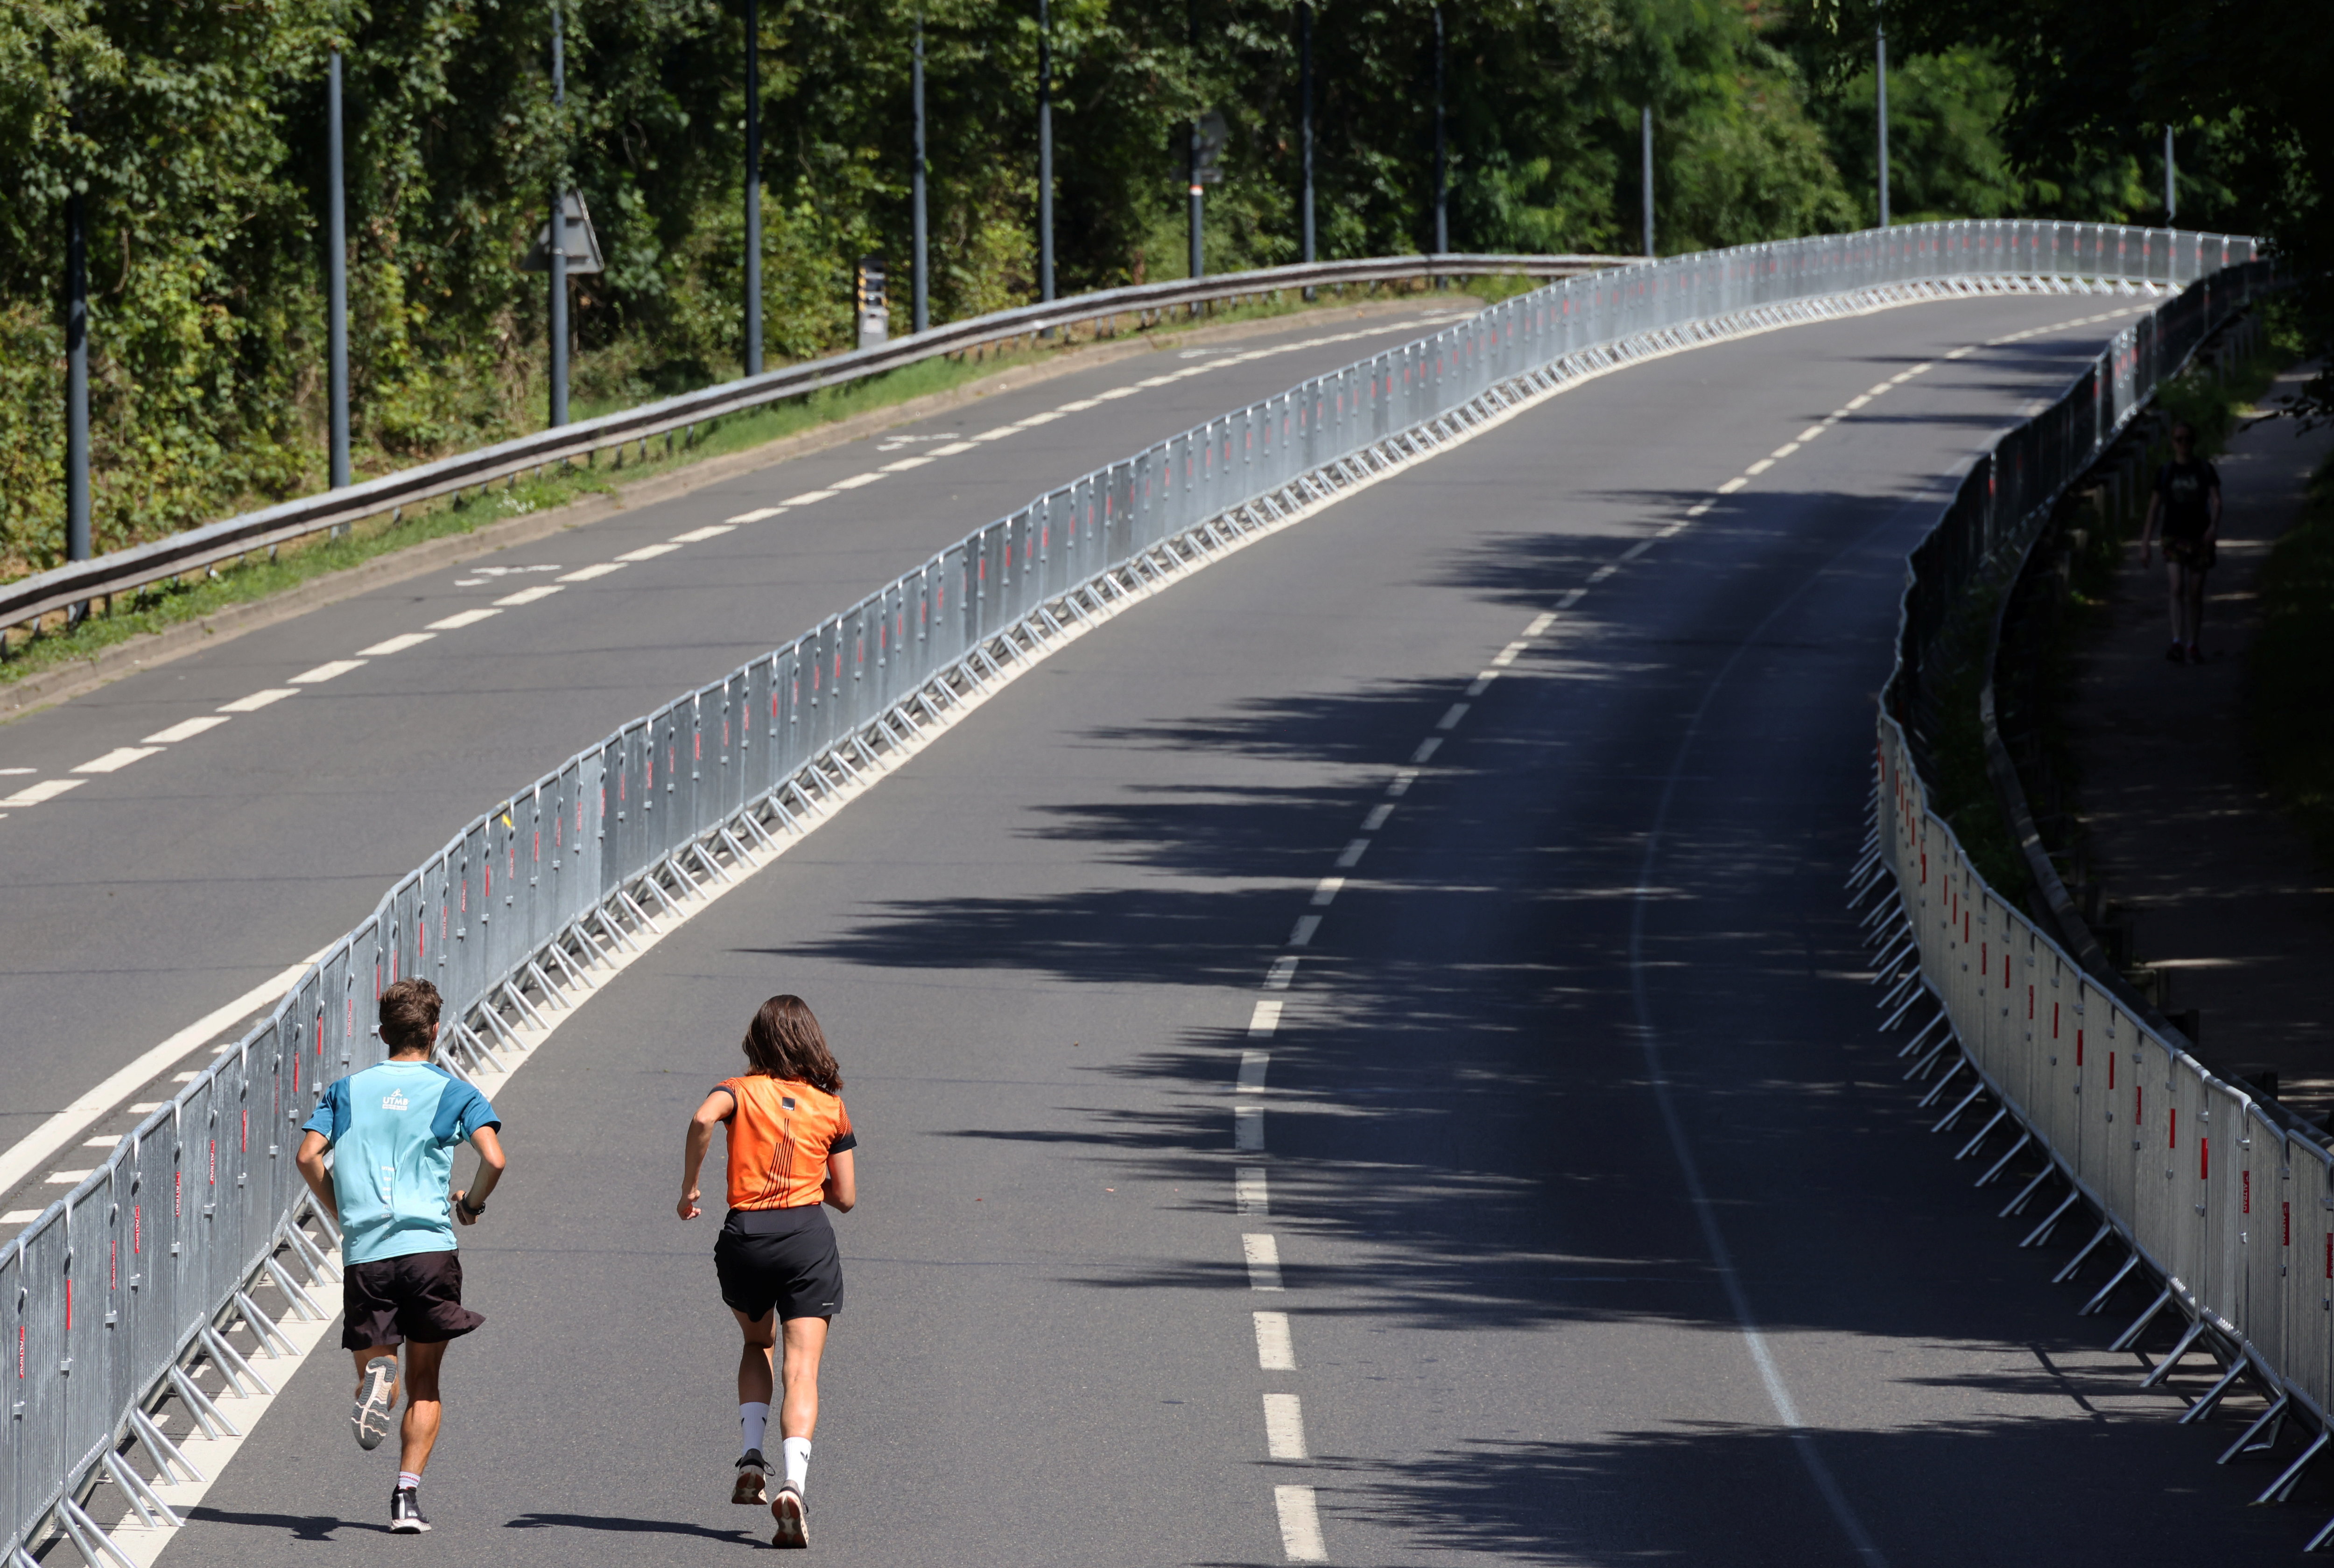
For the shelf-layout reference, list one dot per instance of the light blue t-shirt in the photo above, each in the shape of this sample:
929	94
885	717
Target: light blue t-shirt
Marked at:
393	1130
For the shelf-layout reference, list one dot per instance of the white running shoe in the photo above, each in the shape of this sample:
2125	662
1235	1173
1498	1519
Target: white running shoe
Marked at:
786	1509
753	1470
376	1400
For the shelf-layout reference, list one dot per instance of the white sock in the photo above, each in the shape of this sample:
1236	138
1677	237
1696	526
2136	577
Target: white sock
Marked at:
407	1478
754	1415
797	1453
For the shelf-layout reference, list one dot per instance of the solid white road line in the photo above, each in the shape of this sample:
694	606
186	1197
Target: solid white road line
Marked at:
120	757
185	729
527	596
465	617
397	644
323	672
1250	1195
1253	1066
1275	1351
258	699
1284	1427
1263	1256
1300	1525
74	1121
1264	1020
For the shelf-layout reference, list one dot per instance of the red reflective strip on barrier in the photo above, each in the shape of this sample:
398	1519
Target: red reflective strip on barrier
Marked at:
178	1194
68	1304
2005	971
2138	1102
212	1156
1924	867
20	1349
2029	1004
113	1264
246	1130
2078	1051
2172	1123
697	745
2204	1159
2285	1214
1983	962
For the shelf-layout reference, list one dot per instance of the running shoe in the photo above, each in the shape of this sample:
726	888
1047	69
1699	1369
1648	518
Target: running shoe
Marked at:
752	1471
405	1512
376	1400
786	1509
2177	654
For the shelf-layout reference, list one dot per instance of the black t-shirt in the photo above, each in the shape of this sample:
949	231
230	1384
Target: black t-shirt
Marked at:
2184	488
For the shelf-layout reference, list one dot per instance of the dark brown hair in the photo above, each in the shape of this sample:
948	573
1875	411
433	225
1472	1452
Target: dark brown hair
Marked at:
785	1041
408	1010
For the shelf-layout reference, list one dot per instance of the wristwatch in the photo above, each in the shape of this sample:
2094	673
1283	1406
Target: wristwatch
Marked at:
464	1204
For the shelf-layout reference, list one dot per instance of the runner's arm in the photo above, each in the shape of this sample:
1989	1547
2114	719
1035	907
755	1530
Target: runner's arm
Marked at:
718	1107
2148	529
490	1170
2213	529
311	1161
841	1181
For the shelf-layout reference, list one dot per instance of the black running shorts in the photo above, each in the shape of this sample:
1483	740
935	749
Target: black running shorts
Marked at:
417	1297
781	1257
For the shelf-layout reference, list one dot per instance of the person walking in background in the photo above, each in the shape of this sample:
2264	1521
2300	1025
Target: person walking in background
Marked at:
2187	501
790	1152
392	1130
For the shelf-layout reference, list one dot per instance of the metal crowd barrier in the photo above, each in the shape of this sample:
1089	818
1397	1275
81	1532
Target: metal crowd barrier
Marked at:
152	1269
2204	1189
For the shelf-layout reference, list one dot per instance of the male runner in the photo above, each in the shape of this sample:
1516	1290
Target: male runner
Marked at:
392	1129
2187	501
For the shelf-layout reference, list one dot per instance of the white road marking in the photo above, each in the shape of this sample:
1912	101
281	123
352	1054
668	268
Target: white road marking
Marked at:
1247	1128
1639	548
1300	1525
1326	892
585	573
904	464
1250	1195
1116	392
1602	572
648	551
15	772
1404	777
1732	486
856	480
998	434
1253	1066
120	757
1571	598
1761	466
1678	526
1877	389
1957	353
1284	1427
143	1106
529	595
397	644
1350	855
1783	452
1263	1256
1155	382
1540	624
809	497
1427	748
1508	655
952	448
756	515
1302	936
1283	970
1376	819
19	1216
1451	715
1857	401
1265	1019
1275	1351
184	729
1080	407
1033	420
471	617
336	669
710	531
66	1178
101	1142
1925	366
1811	432
258	699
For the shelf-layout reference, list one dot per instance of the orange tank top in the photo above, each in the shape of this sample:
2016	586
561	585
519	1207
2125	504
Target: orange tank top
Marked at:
780	1135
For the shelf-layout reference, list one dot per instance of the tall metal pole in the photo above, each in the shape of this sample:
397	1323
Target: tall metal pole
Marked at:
921	281
753	187
1646	138
559	224
1044	152
1880	49
1305	116
1442	206
2171	196
336	280
1199	262
77	377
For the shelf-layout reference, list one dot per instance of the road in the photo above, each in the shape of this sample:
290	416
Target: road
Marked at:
194	868
1603	1228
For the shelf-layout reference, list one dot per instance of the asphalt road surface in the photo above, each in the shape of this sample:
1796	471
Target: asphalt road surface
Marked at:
178	874
1604	1230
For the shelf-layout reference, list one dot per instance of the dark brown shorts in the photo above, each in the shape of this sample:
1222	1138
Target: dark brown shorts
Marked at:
415	1297
2197	554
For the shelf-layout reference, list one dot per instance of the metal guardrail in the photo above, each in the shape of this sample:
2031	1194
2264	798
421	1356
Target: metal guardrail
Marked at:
2211	1193
122	571
170	1265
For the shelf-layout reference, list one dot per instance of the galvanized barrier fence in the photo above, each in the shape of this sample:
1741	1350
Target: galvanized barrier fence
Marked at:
2217	1200
170	1266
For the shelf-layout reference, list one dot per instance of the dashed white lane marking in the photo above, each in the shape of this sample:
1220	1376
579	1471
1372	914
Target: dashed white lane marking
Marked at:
1350	855
1639	548
1301	933
1300	1525
1602	572
66	1178
1033	420
1283	970
998	434
904	464
1265	1019
1427	748
649	551
185	729
1250	1195
258	699
16	772
1284	1427
1325	892
1079	407
397	644
120	757
1253	1066
1540	624
952	448
1247	1128
755	515
1732	486
329	671
48	789
1376	819
1274	1351
19	1216
1399	785
808	497
526	596
102	1141
586	574
1507	656
454	622
857	480
1758	467
1263	1256
710	531
1451	715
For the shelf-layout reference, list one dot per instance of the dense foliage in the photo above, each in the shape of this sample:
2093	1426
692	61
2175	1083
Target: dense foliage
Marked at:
195	130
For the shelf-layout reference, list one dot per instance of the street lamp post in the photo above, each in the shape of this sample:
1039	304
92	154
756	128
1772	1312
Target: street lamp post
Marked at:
336	275
2171	196
753	187
920	282
1645	172
1199	265
558	256
1441	205
1880	69
1305	118
77	376
1044	152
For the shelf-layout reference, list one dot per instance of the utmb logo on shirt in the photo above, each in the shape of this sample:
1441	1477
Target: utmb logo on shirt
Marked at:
393	1101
